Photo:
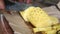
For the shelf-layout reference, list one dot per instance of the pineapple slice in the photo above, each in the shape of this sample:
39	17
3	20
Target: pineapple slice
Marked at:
57	27
38	17
47	30
42	29
54	20
51	32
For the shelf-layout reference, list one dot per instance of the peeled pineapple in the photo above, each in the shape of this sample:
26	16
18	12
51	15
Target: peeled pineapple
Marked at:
41	20
37	17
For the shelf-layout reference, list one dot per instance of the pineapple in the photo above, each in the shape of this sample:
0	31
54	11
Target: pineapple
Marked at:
41	20
37	17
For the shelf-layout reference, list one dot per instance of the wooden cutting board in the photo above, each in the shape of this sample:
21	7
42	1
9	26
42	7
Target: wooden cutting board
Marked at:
18	24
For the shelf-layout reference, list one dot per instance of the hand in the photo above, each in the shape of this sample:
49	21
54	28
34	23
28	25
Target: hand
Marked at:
2	6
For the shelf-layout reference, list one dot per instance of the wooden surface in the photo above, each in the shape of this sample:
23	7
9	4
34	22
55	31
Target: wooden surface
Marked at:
52	11
18	25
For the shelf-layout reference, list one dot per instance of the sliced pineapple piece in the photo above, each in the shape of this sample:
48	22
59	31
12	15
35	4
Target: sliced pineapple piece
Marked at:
39	18
42	29
47	30
54	20
57	27
51	32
